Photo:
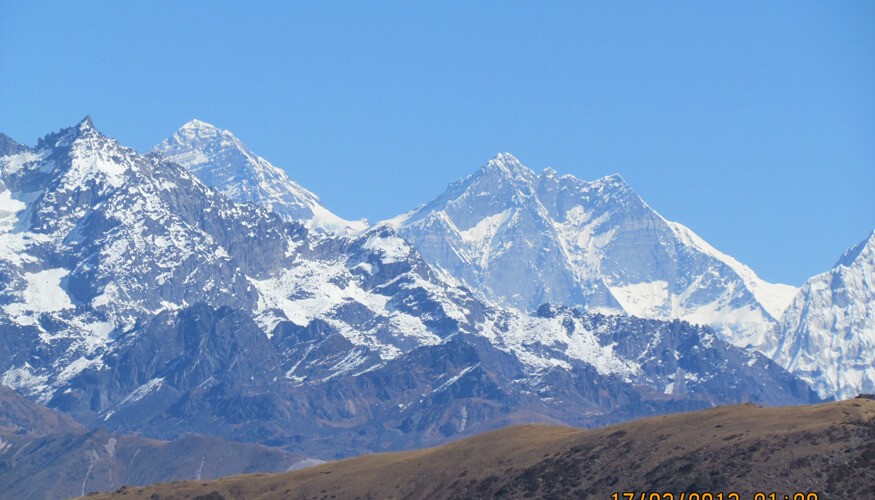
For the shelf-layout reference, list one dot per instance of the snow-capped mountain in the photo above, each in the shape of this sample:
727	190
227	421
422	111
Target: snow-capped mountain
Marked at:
827	335
222	161
98	239
135	297
522	239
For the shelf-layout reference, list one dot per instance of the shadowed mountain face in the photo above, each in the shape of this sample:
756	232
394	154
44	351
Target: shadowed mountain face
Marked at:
44	454
828	449
136	298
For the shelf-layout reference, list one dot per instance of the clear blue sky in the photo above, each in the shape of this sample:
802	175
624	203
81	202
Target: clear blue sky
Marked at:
752	123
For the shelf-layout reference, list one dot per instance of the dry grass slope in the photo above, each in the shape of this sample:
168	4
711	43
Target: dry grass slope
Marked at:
827	448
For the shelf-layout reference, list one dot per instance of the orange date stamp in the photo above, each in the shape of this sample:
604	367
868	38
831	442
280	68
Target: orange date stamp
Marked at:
707	495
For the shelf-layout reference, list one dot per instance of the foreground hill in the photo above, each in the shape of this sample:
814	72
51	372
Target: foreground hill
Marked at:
45	454
827	448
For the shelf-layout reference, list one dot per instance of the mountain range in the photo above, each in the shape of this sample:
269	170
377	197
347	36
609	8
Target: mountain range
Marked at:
593	245
197	289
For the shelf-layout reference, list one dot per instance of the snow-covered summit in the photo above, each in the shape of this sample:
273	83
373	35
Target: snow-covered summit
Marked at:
859	253
523	239
200	127
505	164
222	161
67	136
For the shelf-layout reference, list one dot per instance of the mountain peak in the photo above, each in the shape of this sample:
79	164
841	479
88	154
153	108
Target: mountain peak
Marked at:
614	179
854	253
200	126
9	146
506	165
196	141
85	124
198	131
506	160
85	128
67	136
198	144
222	161
614	183
505	157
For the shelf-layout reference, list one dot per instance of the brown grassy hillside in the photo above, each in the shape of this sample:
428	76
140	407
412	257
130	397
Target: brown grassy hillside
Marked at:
827	448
